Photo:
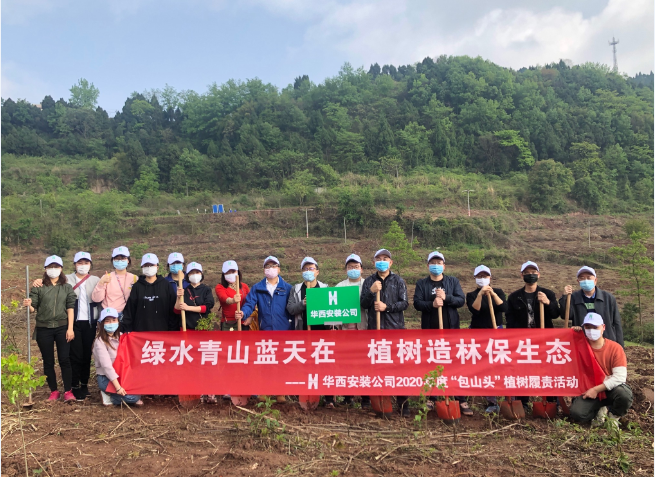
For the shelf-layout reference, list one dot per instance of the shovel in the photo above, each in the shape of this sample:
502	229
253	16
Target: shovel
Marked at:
567	310
239	400
510	408
306	401
381	404
543	408
29	403
190	400
447	410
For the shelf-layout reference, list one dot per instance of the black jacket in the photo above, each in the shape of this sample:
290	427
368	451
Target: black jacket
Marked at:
517	309
198	296
150	307
393	294
604	304
482	318
424	296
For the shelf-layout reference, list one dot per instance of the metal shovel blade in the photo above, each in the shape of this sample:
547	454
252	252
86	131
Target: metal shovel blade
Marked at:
512	409
544	409
448	411
309	403
189	401
565	407
382	405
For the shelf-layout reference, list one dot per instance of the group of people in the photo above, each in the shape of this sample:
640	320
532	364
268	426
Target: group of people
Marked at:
84	314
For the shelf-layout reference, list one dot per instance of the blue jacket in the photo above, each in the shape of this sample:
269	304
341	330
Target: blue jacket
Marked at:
273	314
173	283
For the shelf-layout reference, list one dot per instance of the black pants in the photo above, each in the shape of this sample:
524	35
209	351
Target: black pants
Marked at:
81	349
618	401
226	325
46	339
526	399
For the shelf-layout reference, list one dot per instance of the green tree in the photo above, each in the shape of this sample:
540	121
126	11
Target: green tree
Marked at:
396	242
356	207
548	184
391	165
301	185
84	95
147	186
511	138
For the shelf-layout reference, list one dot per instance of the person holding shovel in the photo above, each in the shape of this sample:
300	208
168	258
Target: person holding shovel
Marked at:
270	296
113	289
151	302
480	303
435	291
523	307
591	299
229	296
54	304
176	271
198	299
392	303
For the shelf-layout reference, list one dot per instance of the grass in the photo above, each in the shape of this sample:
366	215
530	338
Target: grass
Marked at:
643	345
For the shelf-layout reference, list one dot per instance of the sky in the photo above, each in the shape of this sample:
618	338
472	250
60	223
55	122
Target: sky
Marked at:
124	46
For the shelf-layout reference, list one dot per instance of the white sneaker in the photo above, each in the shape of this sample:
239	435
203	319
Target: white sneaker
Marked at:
600	417
106	400
612	421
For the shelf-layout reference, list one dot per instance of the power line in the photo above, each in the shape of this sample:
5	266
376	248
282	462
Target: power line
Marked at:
613	44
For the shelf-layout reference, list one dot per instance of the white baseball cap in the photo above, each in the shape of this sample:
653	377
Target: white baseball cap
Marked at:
353	257
382	251
149	258
175	257
108	312
593	319
193	266
529	264
82	256
271	258
307	260
122	250
436	254
53	259
230	265
481	268
586	269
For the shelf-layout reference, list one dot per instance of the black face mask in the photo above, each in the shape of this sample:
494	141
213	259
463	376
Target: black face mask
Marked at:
530	278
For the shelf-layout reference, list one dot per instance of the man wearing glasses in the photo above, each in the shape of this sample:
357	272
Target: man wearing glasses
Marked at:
297	305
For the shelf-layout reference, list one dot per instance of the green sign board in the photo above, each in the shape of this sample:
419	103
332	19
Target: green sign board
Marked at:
333	305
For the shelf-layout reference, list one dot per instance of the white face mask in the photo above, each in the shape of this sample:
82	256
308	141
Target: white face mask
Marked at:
53	272
482	282
195	278
231	277
594	334
149	271
83	269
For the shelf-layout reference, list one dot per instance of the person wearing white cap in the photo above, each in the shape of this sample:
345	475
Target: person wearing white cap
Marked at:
151	302
392	304
105	348
229	296
54	304
297	304
113	289
610	356
590	299
176	271
198	298
354	269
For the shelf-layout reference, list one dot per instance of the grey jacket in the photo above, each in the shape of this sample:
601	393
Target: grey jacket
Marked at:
393	294
604	304
295	305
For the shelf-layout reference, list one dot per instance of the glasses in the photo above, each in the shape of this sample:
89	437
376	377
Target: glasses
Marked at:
313	269
269	266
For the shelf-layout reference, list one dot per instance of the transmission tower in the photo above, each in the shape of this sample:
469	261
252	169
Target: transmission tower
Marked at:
613	44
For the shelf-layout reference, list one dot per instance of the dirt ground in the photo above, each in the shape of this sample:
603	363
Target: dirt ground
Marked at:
165	439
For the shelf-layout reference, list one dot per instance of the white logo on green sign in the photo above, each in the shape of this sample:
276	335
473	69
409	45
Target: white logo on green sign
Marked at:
333	306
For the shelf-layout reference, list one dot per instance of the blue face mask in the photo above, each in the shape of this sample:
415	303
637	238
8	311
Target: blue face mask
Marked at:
382	266
436	269
120	264
308	276
587	285
111	327
354	274
176	267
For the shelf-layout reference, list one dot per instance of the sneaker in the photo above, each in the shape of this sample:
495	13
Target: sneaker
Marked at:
329	405
69	396
84	390
227	397
139	403
366	404
612	422
210	399
429	404
261	398
347	401
79	394
492	408
106	400
280	399
601	415
54	396
466	410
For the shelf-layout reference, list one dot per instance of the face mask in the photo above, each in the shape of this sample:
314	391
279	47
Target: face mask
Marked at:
120	264
231	277
354	274
382	266
436	269
271	273
53	272
594	334
482	282
111	327
308	276
83	269
195	278
530	278
149	271
587	285
176	267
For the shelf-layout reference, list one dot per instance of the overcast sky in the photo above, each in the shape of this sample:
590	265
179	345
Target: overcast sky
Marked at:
132	45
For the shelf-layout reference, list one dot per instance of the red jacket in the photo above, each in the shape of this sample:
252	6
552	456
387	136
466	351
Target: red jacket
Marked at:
223	294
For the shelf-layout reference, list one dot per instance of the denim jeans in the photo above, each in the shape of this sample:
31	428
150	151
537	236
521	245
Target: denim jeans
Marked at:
116	399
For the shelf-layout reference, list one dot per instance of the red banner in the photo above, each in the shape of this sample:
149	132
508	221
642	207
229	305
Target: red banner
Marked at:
517	362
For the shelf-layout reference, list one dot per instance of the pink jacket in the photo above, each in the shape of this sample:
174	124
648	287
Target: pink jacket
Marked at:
115	293
104	357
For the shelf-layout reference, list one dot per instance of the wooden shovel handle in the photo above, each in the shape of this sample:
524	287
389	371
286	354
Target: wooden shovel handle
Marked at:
567	310
239	302
541	313
307	287
179	284
491	310
377	313
440	313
